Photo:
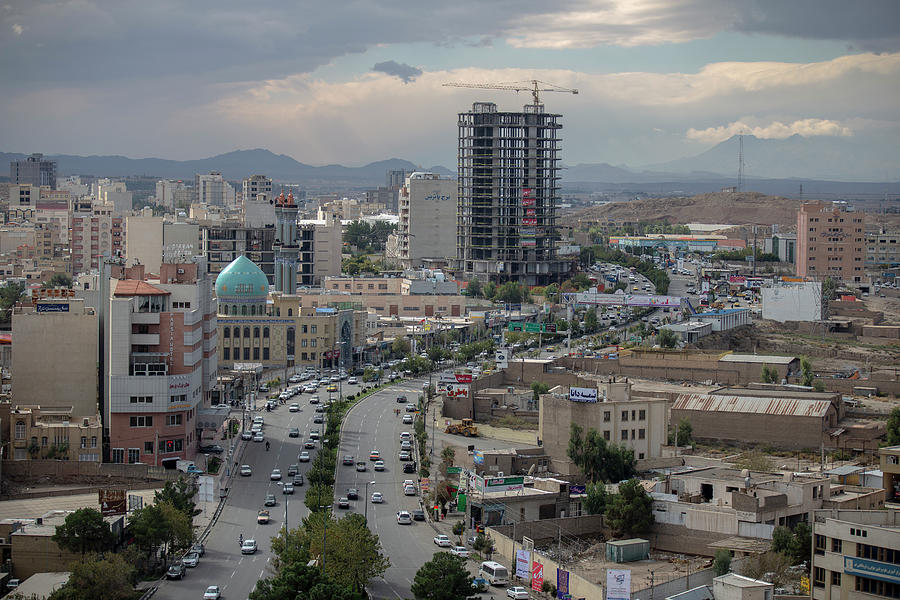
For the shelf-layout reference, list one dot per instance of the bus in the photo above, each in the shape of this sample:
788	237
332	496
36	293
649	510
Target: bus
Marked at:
494	573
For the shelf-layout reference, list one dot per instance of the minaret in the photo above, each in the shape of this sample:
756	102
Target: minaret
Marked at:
287	250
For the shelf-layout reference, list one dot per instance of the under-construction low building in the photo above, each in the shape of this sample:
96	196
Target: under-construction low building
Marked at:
508	169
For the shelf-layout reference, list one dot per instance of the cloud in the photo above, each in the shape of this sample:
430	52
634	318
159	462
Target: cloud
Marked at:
775	130
406	73
17	29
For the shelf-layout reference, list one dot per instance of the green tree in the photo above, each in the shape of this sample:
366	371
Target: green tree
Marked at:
538	388
771	565
60	280
318	495
590	320
685	433
295	580
892	433
444	577
84	531
489	290
510	291
722	562
667	338
630	512
801	546
806	373
596	498
597	459
473	289
9	295
400	346
782	538
109	579
769	374
551	293
448	455
179	494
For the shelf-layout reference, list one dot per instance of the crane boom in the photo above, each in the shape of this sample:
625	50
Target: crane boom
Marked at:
533	86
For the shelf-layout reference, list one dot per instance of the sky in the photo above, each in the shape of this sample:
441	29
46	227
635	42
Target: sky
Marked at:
354	81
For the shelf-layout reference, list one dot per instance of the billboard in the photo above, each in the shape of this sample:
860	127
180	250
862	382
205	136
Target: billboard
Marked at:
112	502
43	307
562	583
618	584
580	394
527	242
501	357
523	559
529	220
456	377
503	484
628	300
537	576
530	212
457	390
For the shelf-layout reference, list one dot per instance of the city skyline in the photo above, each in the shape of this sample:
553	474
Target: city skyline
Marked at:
657	82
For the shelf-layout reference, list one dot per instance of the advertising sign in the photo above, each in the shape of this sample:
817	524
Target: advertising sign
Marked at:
580	394
478	457
457	390
529	220
523	559
503	484
618	584
501	357
527	242
528	231
872	568
562	583
537	576
527	201
456	377
628	300
46	308
112	502
577	489
527	192
530	212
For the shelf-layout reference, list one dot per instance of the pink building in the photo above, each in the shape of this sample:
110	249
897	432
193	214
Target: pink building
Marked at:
830	242
162	362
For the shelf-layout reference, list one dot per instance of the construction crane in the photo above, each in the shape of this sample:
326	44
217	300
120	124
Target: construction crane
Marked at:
532	85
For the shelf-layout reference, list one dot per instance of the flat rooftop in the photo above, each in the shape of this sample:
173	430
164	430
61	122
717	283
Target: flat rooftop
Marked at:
758	358
31	508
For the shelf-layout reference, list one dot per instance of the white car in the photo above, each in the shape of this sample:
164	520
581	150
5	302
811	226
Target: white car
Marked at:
246	435
248	547
409	490
276	475
377	498
212	593
352	381
258	437
443	541
459	551
304	456
517	593
246	471
404	518
379	465
294	407
407	419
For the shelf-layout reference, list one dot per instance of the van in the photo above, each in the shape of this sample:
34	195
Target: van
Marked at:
494	573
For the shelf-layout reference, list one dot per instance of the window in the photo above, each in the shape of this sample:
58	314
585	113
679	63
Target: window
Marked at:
624	434
642	415
265	354
134	455
312	328
877	588
819	544
246	332
819	577
835	578
246	353
141	399
84	441
148	447
836	545
624	416
256	354
606	416
118	455
44	442
227	353
256	332
237	332
312	343
141	421
173	420
265	332
179	399
642	433
93	441
227	332
606	435
20	430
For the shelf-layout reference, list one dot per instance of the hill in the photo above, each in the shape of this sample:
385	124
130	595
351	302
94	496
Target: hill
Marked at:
726	208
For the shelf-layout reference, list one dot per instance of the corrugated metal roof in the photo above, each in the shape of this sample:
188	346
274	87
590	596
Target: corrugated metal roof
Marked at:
758	358
789	407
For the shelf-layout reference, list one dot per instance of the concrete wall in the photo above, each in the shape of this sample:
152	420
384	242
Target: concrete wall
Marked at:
144	241
800	302
19	470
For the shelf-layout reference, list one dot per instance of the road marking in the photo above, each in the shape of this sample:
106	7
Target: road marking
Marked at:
232	574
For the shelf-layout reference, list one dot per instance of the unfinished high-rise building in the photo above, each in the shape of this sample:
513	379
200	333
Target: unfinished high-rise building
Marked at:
509	187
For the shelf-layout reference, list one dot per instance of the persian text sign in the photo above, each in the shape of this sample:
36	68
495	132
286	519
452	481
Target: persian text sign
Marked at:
523	559
618	584
457	390
580	394
537	576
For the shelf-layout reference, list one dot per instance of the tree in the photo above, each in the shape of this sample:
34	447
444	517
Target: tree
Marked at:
806	373
597	459
551	293
179	494
596	498
318	495
295	580
109	579
893	427
489	290
782	539
473	289
773	566
448	455
769	374
58	280
590	320
444	577
722	562
667	338
630	512
84	531
683	432
538	388
9	295
400	346
510	291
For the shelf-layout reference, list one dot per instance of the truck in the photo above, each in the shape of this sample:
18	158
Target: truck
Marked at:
466	427
187	466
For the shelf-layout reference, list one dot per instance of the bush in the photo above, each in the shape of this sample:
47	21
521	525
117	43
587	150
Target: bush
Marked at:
548	588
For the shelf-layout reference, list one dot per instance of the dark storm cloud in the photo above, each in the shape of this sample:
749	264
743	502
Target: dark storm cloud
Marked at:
404	72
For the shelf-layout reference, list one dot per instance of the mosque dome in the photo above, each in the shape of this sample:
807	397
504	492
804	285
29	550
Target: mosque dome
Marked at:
240	285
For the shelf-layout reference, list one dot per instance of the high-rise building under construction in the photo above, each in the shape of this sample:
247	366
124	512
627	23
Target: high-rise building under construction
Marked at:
509	187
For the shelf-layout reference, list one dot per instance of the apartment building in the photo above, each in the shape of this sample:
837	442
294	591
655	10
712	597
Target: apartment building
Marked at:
830	242
33	170
212	189
114	194
883	249
253	186
327	245
94	235
508	195
856	555
391	305
162	362
171	194
427	226
223	243
640	424
54	432
429	284
890	468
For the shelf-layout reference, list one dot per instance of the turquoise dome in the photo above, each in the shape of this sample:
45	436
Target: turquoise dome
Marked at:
242	282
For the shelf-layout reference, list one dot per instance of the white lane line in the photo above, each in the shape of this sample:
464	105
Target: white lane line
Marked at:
232	574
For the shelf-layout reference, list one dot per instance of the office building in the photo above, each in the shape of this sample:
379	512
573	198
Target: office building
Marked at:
427	226
856	554
890	473
883	249
287	244
830	242
161	362
222	243
782	245
34	170
327	245
213	190
508	171
169	193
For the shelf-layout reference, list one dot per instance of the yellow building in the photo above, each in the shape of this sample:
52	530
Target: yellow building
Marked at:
40	432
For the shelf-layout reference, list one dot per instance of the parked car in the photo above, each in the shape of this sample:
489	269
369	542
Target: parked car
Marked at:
418	514
517	593
459	551
442	540
212	449
176	571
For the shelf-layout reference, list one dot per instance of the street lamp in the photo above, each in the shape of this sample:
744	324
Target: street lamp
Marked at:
366	497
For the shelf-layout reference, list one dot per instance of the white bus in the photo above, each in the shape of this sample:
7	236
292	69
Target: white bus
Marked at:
494	573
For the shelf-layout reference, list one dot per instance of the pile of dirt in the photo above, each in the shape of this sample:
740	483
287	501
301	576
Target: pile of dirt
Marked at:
727	208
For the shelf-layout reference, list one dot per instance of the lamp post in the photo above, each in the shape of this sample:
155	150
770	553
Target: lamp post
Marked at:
366	498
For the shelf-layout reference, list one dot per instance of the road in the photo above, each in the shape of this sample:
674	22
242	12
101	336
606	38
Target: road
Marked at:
223	564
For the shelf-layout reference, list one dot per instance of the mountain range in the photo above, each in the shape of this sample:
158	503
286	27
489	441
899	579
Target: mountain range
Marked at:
792	160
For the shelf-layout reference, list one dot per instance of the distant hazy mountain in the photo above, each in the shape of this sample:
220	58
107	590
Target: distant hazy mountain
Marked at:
233	165
828	158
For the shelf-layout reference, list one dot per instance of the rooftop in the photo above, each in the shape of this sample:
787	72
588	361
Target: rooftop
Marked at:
758	358
136	287
41	585
786	407
741	581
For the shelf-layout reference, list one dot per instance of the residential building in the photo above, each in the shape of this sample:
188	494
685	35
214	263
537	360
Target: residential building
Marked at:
830	242
327	245
782	245
34	170
222	243
287	244
212	189
386	197
856	555
427	227
420	282
508	195
144	241
883	249
162	361
258	210
94	235
276	330
890	470
55	432
59	334
391	305
253	186
168	191
114	194
639	424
